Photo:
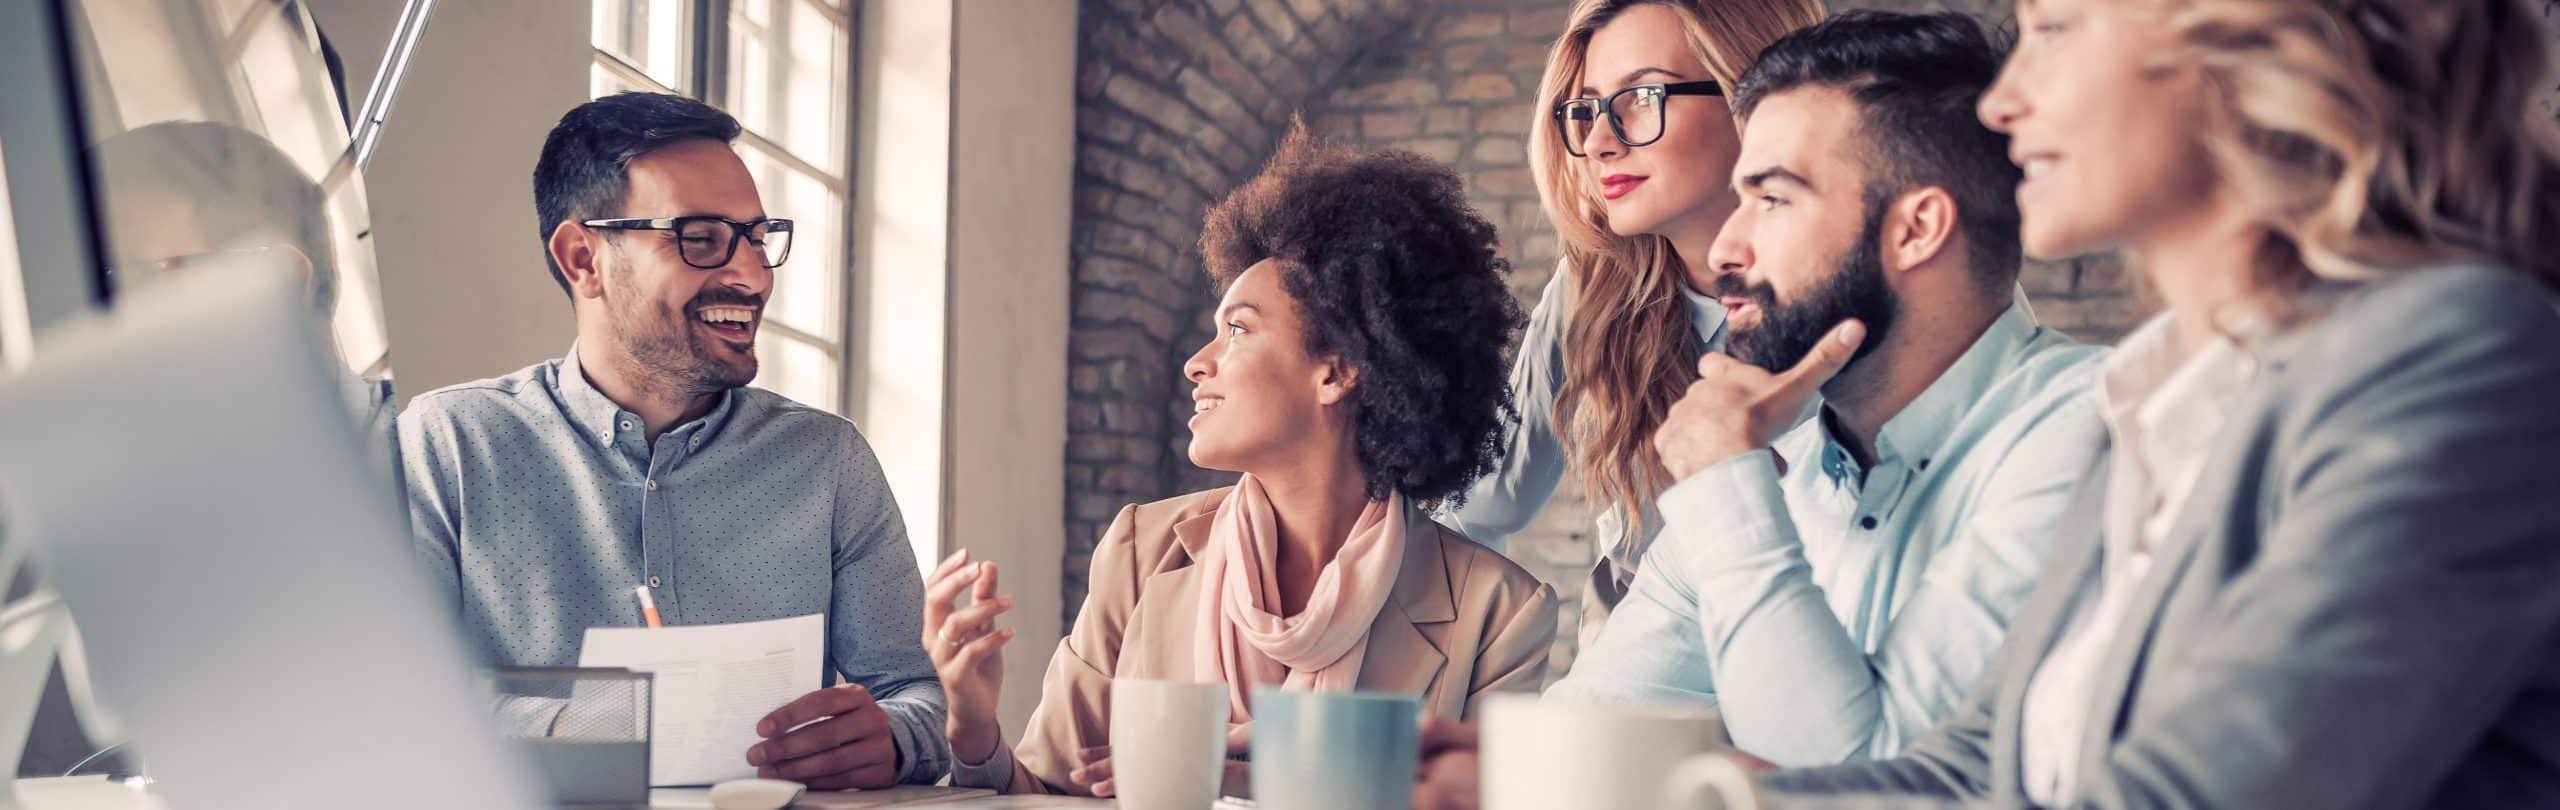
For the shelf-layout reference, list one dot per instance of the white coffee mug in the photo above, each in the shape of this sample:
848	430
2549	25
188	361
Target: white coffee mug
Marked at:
1168	743
1538	754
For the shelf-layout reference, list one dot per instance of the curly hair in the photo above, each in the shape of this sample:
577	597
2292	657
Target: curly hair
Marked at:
1396	274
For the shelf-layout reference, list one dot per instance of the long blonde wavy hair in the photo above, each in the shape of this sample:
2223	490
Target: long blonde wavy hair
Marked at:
1628	350
2375	137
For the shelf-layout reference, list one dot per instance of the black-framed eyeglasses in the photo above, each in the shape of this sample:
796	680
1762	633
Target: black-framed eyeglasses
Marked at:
1634	113
708	242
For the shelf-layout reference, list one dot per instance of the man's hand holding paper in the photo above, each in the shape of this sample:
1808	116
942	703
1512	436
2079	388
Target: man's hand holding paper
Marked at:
830	739
716	685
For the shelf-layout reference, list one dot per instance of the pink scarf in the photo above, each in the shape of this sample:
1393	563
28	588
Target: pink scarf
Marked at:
1321	647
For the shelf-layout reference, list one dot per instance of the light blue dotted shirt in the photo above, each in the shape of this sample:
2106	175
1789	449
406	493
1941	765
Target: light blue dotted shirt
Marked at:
538	504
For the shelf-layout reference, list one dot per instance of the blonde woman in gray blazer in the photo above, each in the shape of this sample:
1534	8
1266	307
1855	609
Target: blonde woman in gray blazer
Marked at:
2322	568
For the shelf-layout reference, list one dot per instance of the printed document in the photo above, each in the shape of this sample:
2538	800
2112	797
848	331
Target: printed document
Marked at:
713	683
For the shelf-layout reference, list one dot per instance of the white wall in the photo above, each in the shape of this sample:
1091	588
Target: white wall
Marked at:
1011	198
464	291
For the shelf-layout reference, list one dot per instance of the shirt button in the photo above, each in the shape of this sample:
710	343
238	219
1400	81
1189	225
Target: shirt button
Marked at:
1868	523
651	485
653	582
626	424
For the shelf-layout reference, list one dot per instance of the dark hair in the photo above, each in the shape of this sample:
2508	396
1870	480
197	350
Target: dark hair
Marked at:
231	180
586	162
1917	79
1394	272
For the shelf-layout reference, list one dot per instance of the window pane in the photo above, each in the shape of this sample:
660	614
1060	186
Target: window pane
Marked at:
797	370
787	77
649	34
808	289
603	82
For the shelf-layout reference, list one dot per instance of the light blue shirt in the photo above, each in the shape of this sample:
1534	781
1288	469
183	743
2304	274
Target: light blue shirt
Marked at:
1535	460
538	504
1832	612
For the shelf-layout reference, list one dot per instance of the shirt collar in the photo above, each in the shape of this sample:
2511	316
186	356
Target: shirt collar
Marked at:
1706	315
2136	368
2157	401
593	413
598	415
1923	426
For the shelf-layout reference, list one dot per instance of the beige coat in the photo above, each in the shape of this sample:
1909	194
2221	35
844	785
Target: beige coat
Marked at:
1462	621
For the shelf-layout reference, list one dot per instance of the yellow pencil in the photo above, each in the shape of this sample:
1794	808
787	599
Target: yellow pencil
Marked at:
648	606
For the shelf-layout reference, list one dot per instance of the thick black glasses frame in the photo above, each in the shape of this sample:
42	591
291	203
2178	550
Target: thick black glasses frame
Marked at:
737	233
1587	108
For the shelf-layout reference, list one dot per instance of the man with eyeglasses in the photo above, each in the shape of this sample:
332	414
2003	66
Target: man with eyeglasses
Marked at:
542	499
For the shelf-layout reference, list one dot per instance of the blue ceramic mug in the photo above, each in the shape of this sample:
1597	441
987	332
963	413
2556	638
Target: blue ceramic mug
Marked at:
1334	750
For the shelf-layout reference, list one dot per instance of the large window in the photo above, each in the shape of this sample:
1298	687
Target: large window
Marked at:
781	67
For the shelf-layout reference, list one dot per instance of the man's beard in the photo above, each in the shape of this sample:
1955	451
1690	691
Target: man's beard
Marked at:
1787	331
671	351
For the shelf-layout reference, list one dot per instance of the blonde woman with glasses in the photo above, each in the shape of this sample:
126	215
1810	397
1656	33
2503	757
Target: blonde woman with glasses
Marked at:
1615	338
2319	567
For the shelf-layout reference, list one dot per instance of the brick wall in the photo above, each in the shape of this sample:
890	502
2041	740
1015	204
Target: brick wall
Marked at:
1176	103
1180	100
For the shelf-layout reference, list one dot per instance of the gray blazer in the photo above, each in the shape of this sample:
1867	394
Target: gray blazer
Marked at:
2359	606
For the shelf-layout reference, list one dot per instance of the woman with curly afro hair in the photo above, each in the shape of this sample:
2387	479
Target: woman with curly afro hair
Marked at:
1357	378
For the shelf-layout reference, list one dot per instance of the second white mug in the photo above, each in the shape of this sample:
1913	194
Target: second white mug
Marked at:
1168	743
1538	754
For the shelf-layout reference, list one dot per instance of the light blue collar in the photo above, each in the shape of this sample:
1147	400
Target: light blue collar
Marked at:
596	414
1922	426
1706	315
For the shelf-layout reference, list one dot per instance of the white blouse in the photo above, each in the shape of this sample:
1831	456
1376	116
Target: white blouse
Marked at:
2163	410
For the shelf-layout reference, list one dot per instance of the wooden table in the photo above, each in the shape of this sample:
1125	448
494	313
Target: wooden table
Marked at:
96	793
903	796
